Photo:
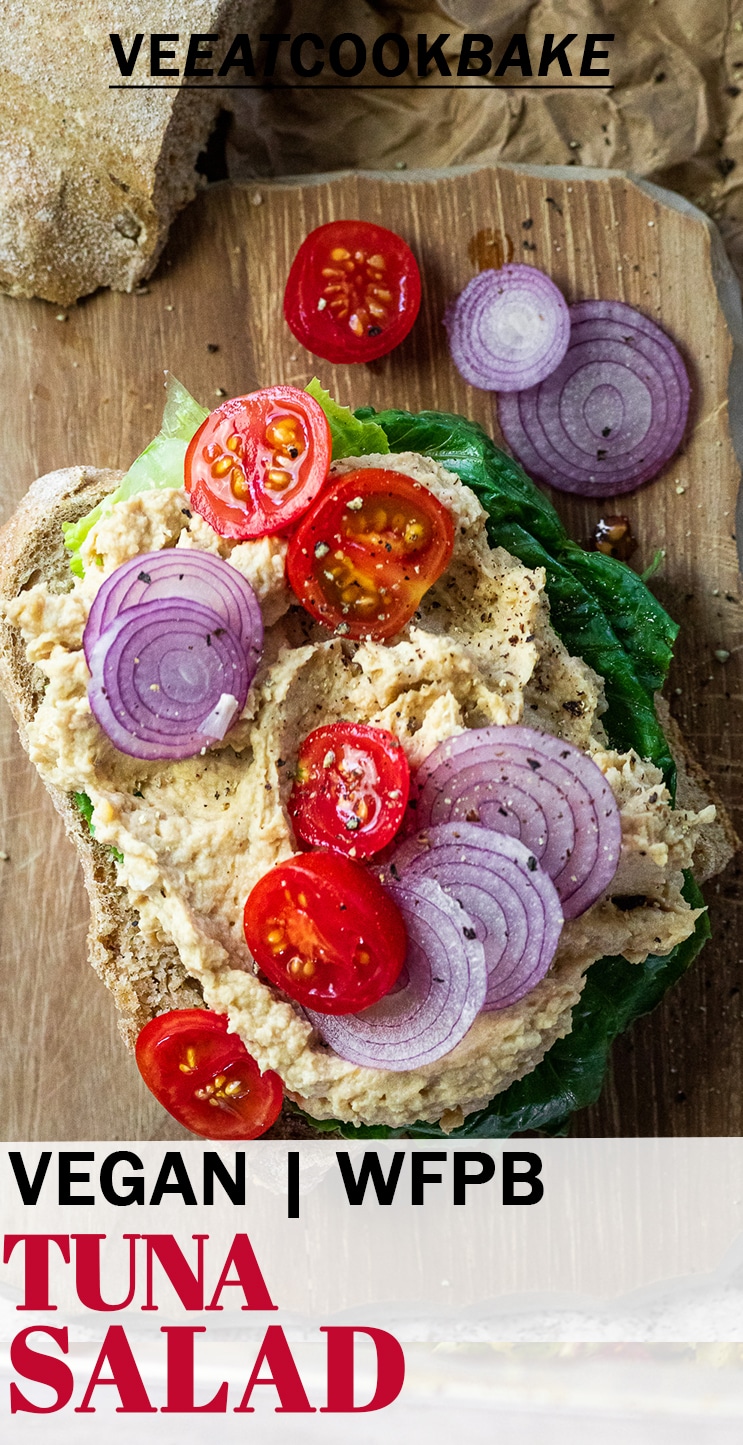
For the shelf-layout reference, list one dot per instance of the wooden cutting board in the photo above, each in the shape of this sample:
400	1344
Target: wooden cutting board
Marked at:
85	386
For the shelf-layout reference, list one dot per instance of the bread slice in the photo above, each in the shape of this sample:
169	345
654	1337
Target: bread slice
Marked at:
32	550
145	984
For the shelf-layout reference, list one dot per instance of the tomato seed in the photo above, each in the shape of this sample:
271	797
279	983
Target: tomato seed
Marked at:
239	484
277	480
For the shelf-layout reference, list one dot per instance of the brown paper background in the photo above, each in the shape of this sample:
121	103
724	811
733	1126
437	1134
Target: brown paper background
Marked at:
675	115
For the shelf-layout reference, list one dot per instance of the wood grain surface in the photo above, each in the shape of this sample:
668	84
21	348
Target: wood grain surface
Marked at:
84	386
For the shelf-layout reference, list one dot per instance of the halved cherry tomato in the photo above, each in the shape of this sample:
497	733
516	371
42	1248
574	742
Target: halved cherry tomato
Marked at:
258	462
354	291
372	545
324	930
205	1077
351	789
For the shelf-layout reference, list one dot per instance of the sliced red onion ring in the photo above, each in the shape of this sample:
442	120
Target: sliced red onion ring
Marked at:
440	999
512	901
157	674
179	572
221	717
508	329
614	411
531	786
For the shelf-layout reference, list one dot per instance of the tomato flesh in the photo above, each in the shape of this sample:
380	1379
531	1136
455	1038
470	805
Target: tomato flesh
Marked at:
205	1077
367	552
353	292
258	462
351	789
323	929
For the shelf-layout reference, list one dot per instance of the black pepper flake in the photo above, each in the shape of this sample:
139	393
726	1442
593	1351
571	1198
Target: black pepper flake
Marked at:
606	431
469	933
211	347
531	863
143	577
186	512
281	762
374	331
534	764
393	871
208	640
660	77
550	201
600	454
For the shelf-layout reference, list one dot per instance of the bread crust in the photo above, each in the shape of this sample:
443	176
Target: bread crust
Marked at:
31	547
91	177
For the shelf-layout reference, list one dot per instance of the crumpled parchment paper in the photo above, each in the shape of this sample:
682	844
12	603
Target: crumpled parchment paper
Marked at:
675	115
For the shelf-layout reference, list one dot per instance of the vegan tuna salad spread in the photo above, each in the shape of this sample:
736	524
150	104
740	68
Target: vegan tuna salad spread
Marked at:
348	767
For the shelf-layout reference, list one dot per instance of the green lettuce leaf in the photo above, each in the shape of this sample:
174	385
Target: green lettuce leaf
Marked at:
85	806
159	465
571	1074
352	437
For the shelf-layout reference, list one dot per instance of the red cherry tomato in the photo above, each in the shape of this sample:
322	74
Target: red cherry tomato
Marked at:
354	291
351	789
372	545
205	1077
324	930
258	462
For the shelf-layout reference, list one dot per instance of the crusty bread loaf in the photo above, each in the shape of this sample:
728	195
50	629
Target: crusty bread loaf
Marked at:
144	984
90	177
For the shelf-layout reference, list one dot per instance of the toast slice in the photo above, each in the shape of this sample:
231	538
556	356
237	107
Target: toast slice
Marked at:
144	983
32	549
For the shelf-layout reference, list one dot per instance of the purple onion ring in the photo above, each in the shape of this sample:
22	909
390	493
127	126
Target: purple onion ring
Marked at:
531	786
508	329
511	900
158	672
437	1004
613	412
195	576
